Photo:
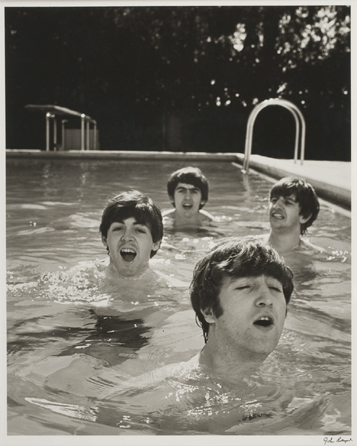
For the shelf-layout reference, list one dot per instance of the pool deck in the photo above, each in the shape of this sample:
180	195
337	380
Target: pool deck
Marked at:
331	179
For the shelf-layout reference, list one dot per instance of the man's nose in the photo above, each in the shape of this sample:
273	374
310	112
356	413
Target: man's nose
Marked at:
264	296
275	204
279	201
127	235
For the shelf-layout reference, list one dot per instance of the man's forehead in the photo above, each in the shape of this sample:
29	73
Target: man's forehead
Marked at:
186	186
253	276
288	197
132	220
228	279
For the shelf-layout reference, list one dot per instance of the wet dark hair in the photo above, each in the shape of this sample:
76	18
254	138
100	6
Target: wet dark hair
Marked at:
188	175
235	258
133	204
305	195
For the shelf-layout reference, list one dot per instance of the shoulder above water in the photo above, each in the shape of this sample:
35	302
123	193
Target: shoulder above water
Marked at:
306	244
205	217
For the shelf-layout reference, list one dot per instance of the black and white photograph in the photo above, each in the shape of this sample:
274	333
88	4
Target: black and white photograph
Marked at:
177	229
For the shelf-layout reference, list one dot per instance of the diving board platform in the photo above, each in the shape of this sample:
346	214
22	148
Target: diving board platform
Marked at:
51	114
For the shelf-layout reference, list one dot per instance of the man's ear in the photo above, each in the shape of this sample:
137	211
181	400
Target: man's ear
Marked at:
172	201
104	240
156	246
304	219
208	315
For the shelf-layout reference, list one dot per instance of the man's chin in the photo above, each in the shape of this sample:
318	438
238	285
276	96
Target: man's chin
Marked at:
275	223
266	348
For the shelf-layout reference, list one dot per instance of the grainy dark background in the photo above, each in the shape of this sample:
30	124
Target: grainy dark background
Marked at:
183	78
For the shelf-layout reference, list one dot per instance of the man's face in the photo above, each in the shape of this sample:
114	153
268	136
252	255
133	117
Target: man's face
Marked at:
254	310
187	199
130	244
284	213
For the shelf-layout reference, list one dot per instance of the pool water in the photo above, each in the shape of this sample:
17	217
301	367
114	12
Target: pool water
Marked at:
85	358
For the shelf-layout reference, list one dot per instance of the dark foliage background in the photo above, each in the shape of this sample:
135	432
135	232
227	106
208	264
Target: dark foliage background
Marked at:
183	78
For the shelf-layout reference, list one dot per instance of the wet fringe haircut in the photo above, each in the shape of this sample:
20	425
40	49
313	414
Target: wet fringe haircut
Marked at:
247	257
133	204
189	175
305	195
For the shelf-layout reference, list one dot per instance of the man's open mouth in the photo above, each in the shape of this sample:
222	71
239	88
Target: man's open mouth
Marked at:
278	215
187	205
264	322
128	254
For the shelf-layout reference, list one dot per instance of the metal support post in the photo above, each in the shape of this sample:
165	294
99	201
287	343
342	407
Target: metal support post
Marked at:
54	132
94	135
87	135
83	117
63	134
48	115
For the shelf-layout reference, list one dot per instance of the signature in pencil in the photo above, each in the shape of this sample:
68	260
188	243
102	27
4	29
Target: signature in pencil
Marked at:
330	440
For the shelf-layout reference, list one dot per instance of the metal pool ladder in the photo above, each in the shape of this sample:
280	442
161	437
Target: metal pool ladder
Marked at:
298	117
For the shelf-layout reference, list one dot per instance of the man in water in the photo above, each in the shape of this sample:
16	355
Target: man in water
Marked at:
240	292
293	208
132	231
188	192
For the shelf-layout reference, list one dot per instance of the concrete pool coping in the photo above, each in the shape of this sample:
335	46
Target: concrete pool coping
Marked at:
331	179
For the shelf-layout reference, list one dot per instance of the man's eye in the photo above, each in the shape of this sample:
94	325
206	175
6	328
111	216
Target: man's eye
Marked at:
117	228
142	231
243	287
275	288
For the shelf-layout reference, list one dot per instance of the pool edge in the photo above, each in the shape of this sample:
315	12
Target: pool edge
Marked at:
340	196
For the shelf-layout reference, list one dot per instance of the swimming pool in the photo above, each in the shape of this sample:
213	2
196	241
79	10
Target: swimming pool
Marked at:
66	350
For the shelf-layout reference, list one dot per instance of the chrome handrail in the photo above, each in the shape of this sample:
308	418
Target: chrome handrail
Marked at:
250	125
